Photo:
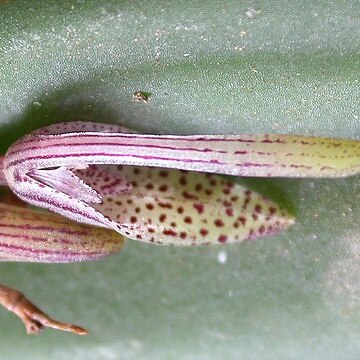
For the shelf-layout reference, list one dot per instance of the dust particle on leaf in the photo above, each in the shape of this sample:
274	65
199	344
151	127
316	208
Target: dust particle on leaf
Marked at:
141	96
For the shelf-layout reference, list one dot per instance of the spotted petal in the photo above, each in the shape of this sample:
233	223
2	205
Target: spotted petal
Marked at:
185	208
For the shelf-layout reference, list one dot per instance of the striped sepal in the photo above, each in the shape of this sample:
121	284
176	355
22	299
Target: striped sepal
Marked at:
38	236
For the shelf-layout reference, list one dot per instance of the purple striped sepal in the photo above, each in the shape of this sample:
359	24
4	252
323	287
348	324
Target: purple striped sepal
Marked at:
146	188
38	236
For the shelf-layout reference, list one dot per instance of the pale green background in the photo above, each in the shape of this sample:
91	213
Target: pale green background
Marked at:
212	67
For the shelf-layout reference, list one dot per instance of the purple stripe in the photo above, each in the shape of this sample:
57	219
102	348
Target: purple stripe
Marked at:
249	164
277	141
242	152
38	238
44	228
73	210
49	251
26	237
190	138
54	156
206	150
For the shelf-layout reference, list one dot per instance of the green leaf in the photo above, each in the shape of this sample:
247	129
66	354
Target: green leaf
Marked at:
220	67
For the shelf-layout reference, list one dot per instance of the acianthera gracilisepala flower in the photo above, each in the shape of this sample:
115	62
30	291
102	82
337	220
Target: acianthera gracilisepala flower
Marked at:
160	189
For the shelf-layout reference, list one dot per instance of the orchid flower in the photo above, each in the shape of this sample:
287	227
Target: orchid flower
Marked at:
151	188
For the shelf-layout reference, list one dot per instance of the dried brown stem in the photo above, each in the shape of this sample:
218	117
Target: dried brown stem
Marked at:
33	318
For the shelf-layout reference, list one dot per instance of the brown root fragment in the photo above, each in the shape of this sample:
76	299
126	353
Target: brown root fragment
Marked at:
34	319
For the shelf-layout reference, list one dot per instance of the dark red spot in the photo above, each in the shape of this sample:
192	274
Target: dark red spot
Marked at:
226	191
242	220
133	219
169	232
180	209
234	198
230	184
258	208
199	208
219	223
229	212
149	206
255	217
183	235
198	187
300	166
151	230
272	210
149	186
119	203
246	203
222	238
227	203
163	187
189	196
236	224
162	217
203	232
138	236
326	168
134	183
248	192
208	192
129	201
137	210
136	171
213	182
188	219
279	141
165	205
173	224
183	180
106	179
163	173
